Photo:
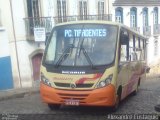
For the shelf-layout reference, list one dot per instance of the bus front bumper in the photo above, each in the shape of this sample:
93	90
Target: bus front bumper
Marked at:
97	97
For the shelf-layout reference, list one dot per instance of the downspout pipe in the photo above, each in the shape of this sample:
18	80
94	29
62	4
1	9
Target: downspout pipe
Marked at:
15	42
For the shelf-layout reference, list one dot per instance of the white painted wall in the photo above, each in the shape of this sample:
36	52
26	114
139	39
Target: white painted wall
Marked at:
140	19
0	18
126	15
6	17
92	6
72	8
47	7
150	50
7	24
18	15
24	47
4	43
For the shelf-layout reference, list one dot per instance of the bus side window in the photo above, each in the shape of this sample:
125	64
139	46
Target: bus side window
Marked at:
134	56
123	54
133	47
124	47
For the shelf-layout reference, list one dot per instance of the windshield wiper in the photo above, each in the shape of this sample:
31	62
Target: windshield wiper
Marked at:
87	56
64	55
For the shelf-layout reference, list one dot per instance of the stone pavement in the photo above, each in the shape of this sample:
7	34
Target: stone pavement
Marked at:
17	93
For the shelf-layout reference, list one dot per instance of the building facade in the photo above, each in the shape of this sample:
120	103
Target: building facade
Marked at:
6	80
25	55
22	19
144	17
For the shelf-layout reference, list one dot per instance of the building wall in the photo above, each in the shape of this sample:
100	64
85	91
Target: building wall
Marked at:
6	81
24	47
7	24
151	57
50	7
19	47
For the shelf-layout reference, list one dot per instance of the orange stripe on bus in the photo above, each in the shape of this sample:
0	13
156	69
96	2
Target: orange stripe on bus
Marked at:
82	80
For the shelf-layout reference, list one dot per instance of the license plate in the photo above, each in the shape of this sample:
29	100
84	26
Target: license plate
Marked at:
72	102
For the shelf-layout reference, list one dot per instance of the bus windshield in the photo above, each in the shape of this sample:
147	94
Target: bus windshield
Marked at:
82	45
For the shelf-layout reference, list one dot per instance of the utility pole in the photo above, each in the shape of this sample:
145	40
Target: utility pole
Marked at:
15	42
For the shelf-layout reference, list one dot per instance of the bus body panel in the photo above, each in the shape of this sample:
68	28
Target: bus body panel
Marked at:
97	97
83	79
130	76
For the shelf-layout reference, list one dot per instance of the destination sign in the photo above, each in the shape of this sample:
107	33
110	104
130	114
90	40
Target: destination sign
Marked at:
85	33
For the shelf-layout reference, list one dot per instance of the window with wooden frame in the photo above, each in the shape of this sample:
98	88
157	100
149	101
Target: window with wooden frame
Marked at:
83	9
33	8
61	10
119	15
101	8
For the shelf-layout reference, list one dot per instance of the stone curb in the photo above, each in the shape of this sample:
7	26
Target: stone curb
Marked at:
12	94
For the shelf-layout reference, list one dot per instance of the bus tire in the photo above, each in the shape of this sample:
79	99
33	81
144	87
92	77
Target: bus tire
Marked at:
54	106
118	100
116	106
157	108
136	90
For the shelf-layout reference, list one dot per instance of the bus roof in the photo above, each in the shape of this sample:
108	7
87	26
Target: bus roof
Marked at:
103	22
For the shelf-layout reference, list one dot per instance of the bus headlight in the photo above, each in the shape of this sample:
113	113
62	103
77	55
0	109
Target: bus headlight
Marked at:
45	80
105	82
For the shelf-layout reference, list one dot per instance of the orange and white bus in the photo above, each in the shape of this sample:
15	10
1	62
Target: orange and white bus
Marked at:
91	63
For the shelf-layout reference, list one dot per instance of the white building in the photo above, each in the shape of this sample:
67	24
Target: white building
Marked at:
143	16
25	55
18	18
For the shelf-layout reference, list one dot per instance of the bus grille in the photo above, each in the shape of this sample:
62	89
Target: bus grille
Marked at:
66	96
77	85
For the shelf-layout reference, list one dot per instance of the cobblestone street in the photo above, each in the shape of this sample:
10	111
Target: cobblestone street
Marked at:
143	103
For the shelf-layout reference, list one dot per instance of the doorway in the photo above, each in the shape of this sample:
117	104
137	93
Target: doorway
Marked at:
36	63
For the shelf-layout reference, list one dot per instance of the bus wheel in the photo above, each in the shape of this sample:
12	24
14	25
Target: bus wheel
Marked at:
54	106
157	108
136	90
115	107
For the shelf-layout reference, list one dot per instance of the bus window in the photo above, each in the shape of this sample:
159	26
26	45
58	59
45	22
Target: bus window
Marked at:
124	46
123	53
139	43
131	45
137	49
136	42
132	48
142	41
133	55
